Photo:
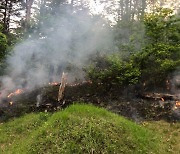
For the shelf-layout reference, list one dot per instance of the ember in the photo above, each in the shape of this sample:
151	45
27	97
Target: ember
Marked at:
53	83
177	103
17	92
10	103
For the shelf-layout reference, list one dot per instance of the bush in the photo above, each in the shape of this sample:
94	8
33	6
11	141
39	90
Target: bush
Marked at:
156	62
111	71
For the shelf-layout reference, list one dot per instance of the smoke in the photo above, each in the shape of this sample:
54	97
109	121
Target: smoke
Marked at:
66	42
175	83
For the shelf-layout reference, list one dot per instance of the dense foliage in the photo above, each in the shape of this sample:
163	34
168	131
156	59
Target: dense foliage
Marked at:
153	64
111	71
160	56
3	43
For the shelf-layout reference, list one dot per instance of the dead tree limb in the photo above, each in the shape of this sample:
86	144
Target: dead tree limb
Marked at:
62	86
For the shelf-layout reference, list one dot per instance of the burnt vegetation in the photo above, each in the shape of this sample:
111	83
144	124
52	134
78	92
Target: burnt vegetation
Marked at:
135	106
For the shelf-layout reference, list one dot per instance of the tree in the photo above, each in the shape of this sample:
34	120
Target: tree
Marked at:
27	4
3	44
10	10
160	56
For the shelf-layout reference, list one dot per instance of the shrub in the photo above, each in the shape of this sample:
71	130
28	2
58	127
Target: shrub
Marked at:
111	71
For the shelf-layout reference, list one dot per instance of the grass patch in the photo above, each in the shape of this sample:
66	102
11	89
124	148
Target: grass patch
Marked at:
77	129
18	130
169	134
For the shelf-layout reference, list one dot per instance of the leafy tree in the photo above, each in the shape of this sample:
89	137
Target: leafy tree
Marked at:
129	37
152	66
3	44
10	11
160	56
3	49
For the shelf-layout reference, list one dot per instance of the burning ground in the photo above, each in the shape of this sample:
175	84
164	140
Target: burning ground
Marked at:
138	107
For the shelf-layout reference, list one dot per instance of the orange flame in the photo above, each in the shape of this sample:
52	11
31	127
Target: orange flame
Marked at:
177	103
17	92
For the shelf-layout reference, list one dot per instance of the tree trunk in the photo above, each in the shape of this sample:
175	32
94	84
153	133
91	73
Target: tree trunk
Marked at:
5	16
143	7
9	15
122	8
28	13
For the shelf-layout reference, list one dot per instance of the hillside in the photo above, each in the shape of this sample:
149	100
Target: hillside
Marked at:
77	129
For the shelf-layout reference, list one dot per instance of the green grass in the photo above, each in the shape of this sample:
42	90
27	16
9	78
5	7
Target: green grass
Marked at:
77	129
169	133
15	132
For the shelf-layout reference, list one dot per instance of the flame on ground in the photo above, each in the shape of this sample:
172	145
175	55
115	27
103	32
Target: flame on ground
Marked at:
177	103
53	83
17	92
10	103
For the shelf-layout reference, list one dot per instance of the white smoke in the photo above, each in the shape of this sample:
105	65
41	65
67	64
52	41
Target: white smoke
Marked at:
176	83
67	40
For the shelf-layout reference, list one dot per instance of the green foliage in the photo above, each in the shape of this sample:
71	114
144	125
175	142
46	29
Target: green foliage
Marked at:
15	132
161	56
1	28
77	129
112	71
3	45
3	49
162	26
129	37
169	132
157	24
156	62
